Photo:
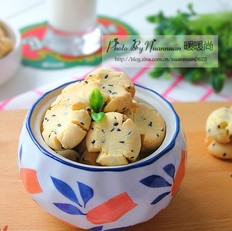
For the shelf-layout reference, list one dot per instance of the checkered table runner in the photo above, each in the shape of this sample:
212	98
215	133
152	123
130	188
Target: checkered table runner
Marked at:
175	89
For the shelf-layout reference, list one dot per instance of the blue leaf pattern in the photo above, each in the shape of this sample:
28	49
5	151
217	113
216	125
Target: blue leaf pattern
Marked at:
86	192
97	228
68	208
116	228
170	170
155	181
20	152
65	190
159	198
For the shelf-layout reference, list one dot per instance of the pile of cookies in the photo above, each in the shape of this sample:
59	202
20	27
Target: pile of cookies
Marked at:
117	131
219	133
6	44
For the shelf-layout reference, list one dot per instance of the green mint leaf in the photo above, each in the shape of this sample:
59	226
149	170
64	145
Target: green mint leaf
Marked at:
96	100
97	117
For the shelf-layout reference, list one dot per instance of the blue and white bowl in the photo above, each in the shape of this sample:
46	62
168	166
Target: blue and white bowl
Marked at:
97	197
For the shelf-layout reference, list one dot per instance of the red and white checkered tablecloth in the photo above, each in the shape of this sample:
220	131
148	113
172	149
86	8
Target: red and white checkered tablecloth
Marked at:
175	89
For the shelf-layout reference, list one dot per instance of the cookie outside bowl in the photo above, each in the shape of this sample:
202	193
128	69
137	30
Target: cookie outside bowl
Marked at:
102	197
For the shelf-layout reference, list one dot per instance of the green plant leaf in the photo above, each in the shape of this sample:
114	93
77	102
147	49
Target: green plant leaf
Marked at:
157	72
96	100
190	7
194	75
192	23
217	82
97	117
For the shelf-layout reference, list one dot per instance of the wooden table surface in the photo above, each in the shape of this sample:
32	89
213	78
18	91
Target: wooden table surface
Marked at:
203	203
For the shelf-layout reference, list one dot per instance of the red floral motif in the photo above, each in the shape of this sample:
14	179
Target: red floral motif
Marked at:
30	181
5	228
179	174
111	210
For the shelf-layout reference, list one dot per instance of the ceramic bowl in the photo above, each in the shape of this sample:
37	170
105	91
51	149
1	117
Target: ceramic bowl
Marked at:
97	197
11	62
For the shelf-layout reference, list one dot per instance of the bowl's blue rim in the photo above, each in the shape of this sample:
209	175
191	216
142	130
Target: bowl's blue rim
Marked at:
104	168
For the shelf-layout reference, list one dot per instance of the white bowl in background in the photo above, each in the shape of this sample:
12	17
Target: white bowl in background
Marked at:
11	62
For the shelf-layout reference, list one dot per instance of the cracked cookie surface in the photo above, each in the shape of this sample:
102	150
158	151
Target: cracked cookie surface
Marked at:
116	138
150	124
64	128
117	88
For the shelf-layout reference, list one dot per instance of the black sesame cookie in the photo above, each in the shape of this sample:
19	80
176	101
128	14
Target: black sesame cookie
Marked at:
222	151
116	86
219	125
150	123
76	95
116	138
86	122
64	128
86	157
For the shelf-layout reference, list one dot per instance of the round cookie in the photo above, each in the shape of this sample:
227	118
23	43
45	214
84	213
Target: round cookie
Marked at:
116	138
219	125
223	151
64	128
150	123
117	86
